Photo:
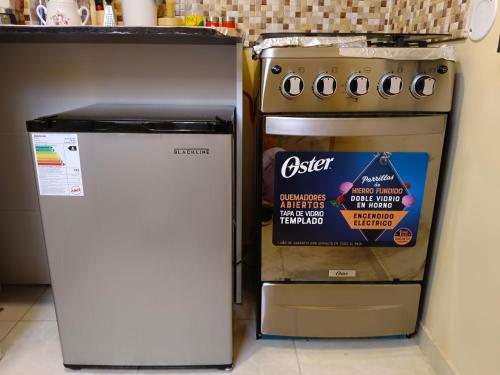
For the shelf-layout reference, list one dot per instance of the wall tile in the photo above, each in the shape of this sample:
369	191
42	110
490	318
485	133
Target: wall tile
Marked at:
417	16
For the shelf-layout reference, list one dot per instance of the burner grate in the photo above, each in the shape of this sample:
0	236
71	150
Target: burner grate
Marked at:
375	39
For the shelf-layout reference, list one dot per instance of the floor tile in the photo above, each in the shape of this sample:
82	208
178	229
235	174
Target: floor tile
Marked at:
5	327
103	372
43	309
33	348
381	356
180	372
16	300
252	357
262	357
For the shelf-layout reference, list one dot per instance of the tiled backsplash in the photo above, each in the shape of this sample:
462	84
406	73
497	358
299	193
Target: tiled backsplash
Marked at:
257	16
431	16
420	16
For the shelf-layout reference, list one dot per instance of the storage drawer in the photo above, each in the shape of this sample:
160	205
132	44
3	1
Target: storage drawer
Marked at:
339	310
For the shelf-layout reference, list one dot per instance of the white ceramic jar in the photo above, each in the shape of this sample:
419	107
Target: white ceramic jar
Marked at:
139	12
62	13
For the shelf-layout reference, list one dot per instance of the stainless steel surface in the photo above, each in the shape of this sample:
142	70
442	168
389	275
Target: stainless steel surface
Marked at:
239	167
308	63
312	310
415	134
141	265
352	126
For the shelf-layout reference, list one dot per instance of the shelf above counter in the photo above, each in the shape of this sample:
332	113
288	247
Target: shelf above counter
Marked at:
116	35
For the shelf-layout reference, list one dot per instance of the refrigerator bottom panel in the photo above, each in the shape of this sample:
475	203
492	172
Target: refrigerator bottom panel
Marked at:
339	310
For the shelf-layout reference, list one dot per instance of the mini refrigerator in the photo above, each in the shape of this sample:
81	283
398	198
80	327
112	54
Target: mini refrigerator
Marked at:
137	210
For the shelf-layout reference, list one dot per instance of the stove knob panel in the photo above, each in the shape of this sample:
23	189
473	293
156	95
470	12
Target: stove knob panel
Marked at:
357	85
324	85
390	85
292	85
422	86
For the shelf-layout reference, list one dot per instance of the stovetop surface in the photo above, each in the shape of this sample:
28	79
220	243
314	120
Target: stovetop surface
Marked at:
373	39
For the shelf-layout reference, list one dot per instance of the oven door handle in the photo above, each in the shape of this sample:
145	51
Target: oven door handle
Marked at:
355	126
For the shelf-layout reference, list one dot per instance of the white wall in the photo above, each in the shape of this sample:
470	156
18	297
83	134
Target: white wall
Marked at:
41	79
462	314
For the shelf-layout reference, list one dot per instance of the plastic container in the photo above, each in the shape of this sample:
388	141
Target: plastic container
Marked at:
229	22
213	21
194	14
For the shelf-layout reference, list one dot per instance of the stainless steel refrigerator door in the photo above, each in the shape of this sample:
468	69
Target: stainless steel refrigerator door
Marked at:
361	134
141	265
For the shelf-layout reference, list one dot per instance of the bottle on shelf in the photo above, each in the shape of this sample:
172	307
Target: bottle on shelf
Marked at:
194	14
109	14
99	13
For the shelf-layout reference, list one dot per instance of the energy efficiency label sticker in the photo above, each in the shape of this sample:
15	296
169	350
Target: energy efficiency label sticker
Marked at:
57	159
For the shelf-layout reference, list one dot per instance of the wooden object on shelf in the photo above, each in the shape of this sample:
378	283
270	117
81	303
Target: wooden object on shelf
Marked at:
170	21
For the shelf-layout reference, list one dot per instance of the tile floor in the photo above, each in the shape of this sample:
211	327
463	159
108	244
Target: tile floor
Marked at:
30	344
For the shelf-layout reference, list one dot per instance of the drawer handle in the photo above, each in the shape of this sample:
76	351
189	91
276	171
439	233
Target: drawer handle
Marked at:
342	308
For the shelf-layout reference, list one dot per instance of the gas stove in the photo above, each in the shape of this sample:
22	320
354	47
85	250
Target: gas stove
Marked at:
341	131
332	79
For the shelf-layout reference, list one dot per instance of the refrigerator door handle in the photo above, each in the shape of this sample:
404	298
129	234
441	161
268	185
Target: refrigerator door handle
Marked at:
354	126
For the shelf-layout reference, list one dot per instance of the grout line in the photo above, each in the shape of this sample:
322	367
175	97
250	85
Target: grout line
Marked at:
33	304
297	356
21	318
8	332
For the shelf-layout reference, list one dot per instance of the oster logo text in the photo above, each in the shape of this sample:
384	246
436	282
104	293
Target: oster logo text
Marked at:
294	165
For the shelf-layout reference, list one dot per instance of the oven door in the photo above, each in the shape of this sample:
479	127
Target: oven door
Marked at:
335	212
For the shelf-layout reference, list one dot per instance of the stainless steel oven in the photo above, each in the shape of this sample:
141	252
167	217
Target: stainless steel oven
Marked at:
347	186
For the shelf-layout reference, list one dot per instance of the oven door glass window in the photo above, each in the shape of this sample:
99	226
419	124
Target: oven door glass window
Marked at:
348	199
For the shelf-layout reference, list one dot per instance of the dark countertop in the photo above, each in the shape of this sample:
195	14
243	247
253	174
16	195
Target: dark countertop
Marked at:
118	35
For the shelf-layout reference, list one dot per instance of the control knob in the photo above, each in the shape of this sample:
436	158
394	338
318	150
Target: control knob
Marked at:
292	85
324	85
390	85
357	85
422	86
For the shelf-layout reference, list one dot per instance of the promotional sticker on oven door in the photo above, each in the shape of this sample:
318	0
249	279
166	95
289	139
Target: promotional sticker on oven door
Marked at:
348	198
